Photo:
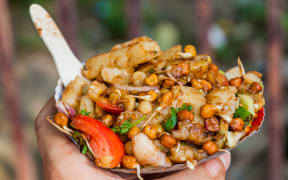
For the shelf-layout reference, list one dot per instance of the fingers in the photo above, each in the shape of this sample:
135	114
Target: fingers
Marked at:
49	138
61	158
212	169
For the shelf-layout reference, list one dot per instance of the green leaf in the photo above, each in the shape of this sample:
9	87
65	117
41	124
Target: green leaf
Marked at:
184	107
127	125
80	140
151	70
244	114
172	121
84	112
84	149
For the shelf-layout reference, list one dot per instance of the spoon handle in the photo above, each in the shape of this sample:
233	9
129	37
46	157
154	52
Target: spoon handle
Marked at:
68	66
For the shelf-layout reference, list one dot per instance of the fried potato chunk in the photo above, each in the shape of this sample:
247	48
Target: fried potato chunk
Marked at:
192	96
131	42
125	58
147	153
72	92
224	97
171	53
185	153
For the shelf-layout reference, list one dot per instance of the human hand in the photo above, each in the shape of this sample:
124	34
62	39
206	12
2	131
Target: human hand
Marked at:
62	159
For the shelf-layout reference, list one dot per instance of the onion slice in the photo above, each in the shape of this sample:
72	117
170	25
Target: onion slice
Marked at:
66	109
133	88
61	108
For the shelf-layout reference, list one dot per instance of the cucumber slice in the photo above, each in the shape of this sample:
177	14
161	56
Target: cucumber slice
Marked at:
247	102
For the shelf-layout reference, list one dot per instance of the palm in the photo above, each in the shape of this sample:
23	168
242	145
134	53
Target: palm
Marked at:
62	159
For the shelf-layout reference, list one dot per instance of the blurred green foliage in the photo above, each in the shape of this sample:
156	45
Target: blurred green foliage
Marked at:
242	22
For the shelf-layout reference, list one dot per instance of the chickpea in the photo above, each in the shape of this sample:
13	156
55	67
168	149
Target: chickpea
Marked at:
180	69
138	78
207	111
210	147
168	141
95	90
133	131
129	162
108	120
129	102
150	132
206	85
129	147
168	83
114	98
191	49
236	124
152	80
213	67
61	119
221	80
236	82
153	95
159	129
196	84
202	84
166	98
255	87
211	77
145	107
185	115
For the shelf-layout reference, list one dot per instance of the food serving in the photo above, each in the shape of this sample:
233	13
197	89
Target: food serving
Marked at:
139	107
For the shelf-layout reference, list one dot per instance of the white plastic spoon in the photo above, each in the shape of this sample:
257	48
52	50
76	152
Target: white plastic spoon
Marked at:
68	66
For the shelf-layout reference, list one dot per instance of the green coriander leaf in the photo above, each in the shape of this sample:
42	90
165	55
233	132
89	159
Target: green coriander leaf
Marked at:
184	107
151	70
126	126
172	121
84	112
244	114
84	149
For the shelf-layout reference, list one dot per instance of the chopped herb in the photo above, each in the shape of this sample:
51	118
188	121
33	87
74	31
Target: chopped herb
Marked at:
84	149
76	136
172	121
184	107
84	112
244	114
222	72
80	141
127	125
151	70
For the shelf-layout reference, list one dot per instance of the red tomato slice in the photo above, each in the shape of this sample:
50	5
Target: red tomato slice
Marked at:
108	107
257	122
106	145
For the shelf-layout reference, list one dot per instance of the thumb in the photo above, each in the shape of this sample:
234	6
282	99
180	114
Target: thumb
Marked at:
212	169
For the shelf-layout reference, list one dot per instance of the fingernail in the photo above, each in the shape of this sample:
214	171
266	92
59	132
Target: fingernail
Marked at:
213	167
226	159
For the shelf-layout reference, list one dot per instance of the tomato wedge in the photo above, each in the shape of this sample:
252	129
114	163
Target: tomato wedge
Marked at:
108	107
257	122
106	145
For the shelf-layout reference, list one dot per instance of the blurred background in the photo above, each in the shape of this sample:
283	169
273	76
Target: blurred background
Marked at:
255	30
